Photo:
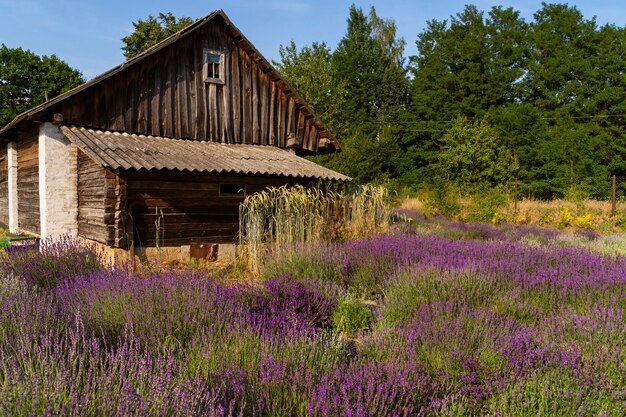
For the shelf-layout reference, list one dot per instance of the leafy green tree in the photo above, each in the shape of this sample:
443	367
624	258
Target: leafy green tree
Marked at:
27	80
474	154
368	63
559	65
469	65
369	66
309	70
151	31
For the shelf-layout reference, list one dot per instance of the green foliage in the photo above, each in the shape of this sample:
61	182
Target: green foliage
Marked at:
27	80
351	317
309	71
151	31
473	153
486	203
443	198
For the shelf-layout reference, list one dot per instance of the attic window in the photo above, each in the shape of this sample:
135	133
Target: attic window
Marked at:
232	190
213	69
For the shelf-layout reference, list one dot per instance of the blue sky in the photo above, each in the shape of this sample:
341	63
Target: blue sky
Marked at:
86	34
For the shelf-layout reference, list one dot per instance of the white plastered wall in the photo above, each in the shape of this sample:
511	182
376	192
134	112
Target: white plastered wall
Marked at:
58	177
12	186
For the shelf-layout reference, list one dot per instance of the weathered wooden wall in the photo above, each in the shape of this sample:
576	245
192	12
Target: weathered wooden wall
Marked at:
115	210
188	206
101	203
91	197
165	95
28	183
4	189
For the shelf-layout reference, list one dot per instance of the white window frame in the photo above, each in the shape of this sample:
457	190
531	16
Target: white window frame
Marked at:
208	53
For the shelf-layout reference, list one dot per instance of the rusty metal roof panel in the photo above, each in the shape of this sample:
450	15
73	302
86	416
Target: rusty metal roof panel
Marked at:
127	151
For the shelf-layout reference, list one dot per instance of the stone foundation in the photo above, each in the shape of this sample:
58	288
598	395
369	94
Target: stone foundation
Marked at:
226	252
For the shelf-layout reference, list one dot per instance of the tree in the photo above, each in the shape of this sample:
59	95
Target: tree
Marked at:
368	63
151	31
469	65
309	71
474	154
27	80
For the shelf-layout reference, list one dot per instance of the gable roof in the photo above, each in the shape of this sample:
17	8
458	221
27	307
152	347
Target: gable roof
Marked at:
125	151
40	110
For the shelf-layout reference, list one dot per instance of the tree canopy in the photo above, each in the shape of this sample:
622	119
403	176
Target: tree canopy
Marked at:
484	89
27	80
151	31
549	91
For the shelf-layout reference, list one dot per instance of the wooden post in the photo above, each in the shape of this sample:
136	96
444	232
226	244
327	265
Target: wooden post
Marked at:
613	195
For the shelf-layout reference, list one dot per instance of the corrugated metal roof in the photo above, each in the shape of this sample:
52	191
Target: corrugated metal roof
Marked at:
126	151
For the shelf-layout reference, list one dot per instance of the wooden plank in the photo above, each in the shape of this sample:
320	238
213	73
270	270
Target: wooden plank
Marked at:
272	119
178	99
291	117
155	103
281	125
300	128
95	232
247	132
94	176
130	119
168	96
264	97
235	94
142	102
170	185
212	112
185	241
226	115
256	107
199	111
190	87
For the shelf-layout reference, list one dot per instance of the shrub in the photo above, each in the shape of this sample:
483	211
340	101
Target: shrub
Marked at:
584	221
522	218
50	262
498	218
351	316
285	303
565	218
443	199
295	214
487	202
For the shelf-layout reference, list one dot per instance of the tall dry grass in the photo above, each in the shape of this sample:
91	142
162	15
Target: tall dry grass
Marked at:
540	212
283	216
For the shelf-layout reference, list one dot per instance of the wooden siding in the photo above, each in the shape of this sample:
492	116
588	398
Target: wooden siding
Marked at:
101	203
115	210
91	199
4	189
165	95
28	183
188	207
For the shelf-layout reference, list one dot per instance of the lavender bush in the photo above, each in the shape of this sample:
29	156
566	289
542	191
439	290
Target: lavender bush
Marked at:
454	327
44	263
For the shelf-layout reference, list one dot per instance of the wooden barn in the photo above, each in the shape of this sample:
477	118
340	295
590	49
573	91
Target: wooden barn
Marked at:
163	148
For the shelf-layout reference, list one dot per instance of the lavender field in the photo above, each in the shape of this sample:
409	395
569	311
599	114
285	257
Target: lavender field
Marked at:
440	319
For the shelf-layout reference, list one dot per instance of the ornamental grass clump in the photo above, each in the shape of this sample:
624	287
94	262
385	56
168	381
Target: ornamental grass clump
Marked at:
288	215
